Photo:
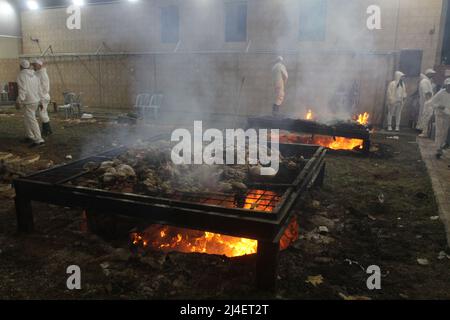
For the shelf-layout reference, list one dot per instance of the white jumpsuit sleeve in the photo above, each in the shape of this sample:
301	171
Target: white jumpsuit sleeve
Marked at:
45	83
391	93
22	89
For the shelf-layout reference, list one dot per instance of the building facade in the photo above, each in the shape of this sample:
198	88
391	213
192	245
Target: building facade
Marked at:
215	56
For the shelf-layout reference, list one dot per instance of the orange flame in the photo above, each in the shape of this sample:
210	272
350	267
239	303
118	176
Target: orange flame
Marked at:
336	143
167	238
255	202
190	241
309	115
363	118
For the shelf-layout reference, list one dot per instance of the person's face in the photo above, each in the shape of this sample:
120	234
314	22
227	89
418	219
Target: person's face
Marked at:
430	75
37	66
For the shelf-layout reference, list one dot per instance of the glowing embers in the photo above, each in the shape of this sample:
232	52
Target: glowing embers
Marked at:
167	238
334	143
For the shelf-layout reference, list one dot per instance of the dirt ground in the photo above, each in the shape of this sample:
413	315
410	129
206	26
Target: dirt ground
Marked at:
379	210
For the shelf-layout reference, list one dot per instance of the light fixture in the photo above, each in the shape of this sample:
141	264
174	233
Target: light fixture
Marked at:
5	7
32	5
78	3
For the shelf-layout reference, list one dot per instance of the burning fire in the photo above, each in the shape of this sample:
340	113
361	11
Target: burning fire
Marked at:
338	143
363	119
334	143
309	115
167	238
259	200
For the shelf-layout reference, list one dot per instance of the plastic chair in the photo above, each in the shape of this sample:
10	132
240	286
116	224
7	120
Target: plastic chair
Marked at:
72	104
154	106
142	101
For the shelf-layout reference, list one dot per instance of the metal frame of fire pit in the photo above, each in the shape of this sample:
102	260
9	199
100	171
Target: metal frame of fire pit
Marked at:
50	186
353	131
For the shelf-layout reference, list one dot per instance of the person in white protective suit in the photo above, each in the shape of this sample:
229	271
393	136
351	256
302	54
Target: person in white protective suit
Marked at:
396	96
41	73
28	100
425	94
279	79
441	105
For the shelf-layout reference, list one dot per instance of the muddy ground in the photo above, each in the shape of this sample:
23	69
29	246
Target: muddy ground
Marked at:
378	211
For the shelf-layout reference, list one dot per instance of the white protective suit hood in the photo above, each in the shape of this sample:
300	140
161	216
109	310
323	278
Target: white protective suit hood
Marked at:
397	76
25	64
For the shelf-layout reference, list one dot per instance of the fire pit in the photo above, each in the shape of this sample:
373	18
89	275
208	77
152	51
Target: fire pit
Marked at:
339	136
262	215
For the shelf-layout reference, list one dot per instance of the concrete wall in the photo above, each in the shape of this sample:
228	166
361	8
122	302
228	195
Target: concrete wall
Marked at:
201	76
10	43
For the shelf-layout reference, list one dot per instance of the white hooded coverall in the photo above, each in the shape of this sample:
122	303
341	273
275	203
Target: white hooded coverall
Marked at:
279	78
426	109
396	95
425	87
29	97
439	101
45	94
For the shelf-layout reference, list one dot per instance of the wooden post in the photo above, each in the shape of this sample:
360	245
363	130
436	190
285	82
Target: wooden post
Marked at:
24	214
267	265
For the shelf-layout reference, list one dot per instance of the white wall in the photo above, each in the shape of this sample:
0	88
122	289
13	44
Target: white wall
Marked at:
10	41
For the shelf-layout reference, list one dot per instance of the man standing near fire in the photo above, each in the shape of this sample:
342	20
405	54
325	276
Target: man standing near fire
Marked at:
28	100
41	73
441	105
425	94
396	97
279	79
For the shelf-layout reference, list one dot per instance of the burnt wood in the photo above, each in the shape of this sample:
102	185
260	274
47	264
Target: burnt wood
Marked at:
351	130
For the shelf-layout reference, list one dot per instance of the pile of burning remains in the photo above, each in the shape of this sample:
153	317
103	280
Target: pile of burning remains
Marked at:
148	169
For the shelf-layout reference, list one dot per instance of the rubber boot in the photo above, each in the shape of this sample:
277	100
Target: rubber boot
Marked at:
46	129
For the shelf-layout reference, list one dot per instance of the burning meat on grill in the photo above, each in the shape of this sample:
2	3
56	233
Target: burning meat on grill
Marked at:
227	210
147	169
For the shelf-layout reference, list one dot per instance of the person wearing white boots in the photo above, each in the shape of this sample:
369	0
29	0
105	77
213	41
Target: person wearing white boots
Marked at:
441	105
396	97
41	73
426	92
28	100
279	79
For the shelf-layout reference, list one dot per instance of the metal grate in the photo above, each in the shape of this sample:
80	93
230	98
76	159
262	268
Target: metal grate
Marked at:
257	200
